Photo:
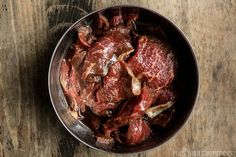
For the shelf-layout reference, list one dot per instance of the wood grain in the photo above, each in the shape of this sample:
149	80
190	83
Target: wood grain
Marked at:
29	31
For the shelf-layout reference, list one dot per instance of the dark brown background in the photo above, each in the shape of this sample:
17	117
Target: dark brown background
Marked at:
29	30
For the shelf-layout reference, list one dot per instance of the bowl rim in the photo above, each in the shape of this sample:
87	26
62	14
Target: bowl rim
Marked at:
188	116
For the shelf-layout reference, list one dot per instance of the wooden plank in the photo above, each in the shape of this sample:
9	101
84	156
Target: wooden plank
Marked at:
29	31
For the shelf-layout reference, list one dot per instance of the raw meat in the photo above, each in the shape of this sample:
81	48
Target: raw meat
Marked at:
99	56
133	109
116	90
138	131
154	62
118	84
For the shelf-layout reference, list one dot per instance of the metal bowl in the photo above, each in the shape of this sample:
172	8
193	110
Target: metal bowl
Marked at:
187	81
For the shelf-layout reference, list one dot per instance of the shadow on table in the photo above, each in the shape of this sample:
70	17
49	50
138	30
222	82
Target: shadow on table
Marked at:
59	19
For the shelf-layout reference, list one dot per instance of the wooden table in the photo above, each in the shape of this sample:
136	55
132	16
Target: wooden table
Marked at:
29	30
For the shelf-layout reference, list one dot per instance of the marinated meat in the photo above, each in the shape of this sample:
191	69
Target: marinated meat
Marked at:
102	22
85	36
77	59
131	110
99	56
144	102
65	75
70	84
79	93
87	94
118	84
165	95
120	92
165	99
138	132
154	62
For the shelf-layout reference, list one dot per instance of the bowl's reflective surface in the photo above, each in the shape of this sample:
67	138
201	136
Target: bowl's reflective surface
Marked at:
187	81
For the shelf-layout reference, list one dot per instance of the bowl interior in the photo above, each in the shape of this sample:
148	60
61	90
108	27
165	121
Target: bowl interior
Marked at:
186	80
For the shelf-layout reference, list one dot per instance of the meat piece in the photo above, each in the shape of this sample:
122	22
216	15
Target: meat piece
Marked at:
154	62
85	36
68	79
138	132
103	109
145	101
77	59
116	20
165	98
115	85
87	95
131	18
65	74
99	56
78	93
165	95
102	22
116	23
122	118
70	84
118	84
133	109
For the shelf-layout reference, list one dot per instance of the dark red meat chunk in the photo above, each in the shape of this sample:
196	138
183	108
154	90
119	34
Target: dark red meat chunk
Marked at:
131	110
99	56
164	99
116	84
102	22
79	93
138	132
85	36
65	74
154	62
70	83
166	94
87	95
144	102
77	59
121	119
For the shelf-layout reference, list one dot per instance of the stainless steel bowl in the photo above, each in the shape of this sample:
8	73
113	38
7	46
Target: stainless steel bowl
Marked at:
187	80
